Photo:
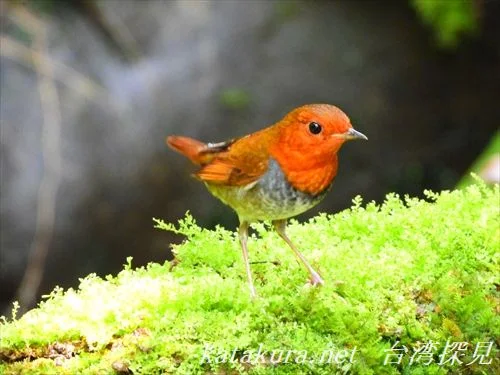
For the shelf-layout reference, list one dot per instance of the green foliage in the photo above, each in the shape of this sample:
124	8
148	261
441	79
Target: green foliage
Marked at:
401	273
235	99
449	19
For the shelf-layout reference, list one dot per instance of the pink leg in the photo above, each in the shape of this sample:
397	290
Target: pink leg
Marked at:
280	226
243	235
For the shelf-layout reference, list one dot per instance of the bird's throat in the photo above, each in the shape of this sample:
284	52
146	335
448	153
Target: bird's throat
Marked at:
314	180
308	173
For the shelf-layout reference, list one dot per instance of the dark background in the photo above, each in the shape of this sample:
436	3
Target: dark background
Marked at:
89	91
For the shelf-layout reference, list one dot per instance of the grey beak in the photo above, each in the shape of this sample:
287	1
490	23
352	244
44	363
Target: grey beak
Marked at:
352	134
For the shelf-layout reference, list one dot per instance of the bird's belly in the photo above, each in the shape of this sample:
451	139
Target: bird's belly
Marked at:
258	204
272	197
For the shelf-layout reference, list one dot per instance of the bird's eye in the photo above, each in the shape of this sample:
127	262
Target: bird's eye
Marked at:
315	128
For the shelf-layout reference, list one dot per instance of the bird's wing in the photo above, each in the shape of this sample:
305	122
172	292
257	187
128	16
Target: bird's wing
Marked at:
236	163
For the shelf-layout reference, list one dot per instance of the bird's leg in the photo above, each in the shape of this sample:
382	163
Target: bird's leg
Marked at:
243	235
280	226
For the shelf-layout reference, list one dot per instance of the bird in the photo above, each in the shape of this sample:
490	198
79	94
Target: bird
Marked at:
275	173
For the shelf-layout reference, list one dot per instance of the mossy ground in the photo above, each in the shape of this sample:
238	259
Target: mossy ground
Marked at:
405	273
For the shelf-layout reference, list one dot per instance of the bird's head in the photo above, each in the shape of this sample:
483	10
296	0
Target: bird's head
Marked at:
316	130
308	140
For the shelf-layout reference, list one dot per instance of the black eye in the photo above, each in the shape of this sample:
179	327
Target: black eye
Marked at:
315	128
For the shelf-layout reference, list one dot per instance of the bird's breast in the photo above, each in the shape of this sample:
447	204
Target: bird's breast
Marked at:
271	197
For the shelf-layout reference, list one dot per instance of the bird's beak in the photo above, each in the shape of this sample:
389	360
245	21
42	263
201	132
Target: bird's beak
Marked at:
352	134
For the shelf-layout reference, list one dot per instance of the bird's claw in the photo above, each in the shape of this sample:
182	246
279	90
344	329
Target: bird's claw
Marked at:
316	280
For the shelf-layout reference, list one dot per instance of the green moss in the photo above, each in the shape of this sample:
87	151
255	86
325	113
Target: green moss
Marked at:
397	275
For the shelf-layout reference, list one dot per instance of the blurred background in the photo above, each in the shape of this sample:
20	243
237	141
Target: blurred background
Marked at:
90	89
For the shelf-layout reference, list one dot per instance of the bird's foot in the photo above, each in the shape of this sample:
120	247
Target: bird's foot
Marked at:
316	279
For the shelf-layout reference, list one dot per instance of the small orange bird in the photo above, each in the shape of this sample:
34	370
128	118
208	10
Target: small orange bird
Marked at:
275	173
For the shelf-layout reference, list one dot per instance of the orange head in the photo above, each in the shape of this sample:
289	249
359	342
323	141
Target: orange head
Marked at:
309	139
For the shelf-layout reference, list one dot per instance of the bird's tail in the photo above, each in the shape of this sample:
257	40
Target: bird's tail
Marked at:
189	147
198	152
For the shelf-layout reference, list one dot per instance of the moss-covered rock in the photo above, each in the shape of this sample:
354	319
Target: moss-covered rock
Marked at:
411	286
